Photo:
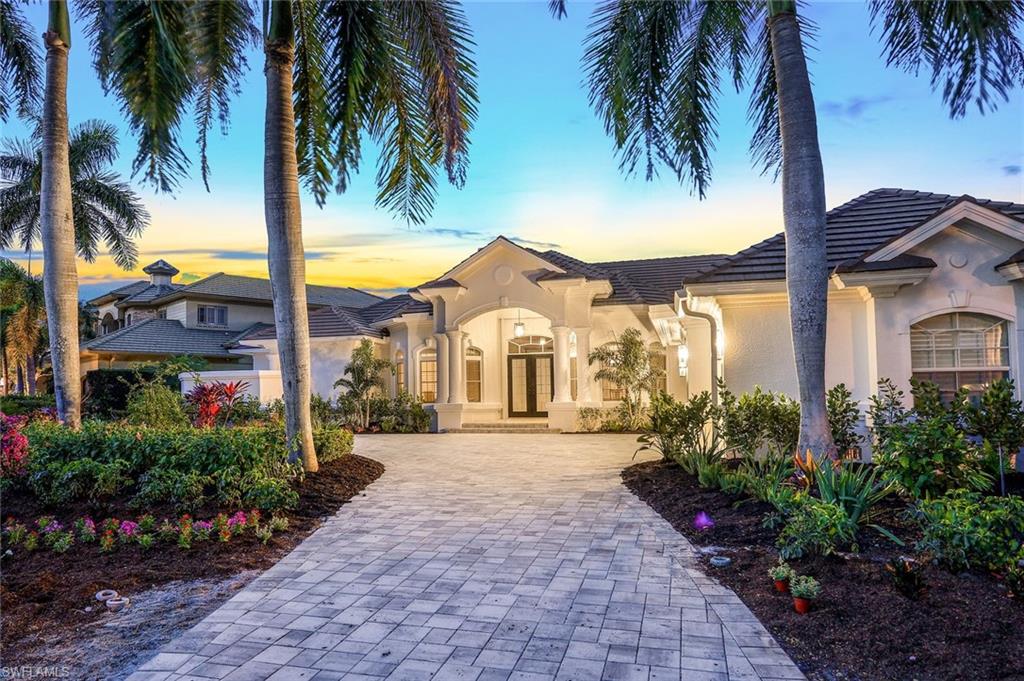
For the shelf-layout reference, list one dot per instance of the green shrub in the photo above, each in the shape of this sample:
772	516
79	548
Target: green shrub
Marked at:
766	475
964	530
269	494
588	419
815	527
230	458
684	431
927	457
155	405
20	405
757	420
106	391
843	417
331	443
58	482
186	490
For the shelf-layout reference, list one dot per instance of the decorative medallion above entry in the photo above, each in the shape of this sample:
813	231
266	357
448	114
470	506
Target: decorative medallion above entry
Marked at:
503	275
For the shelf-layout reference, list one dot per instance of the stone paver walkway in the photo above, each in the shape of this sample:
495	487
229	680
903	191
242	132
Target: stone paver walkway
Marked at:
484	558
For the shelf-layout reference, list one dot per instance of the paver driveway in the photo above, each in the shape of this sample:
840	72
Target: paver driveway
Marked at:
484	557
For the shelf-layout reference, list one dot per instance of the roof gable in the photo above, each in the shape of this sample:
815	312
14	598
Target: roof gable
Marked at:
469	265
854	230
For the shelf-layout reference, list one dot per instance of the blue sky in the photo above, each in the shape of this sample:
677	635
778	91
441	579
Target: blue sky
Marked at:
543	170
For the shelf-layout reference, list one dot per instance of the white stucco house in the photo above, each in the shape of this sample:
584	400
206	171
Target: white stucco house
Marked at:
922	284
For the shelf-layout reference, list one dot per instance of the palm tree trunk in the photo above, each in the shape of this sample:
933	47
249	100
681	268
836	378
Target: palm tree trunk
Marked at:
284	236
20	385
803	207
60	274
5	369
30	373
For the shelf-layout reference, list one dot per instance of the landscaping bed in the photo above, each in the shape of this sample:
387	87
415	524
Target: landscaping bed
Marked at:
45	594
861	627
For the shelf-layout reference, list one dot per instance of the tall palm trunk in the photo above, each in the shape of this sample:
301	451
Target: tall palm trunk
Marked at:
284	236
60	274
803	207
20	385
30	373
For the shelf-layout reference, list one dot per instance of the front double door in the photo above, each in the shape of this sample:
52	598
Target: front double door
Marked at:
531	383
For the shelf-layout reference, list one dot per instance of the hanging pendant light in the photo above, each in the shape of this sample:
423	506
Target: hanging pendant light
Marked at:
519	329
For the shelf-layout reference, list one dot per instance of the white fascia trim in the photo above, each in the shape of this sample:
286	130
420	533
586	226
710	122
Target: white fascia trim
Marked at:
1012	272
987	217
731	288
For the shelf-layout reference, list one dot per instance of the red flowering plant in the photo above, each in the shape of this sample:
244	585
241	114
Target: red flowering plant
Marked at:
213	402
13	447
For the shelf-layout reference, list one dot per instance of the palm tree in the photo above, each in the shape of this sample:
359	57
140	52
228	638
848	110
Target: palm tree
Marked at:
105	208
398	72
19	68
654	72
365	375
628	363
23	295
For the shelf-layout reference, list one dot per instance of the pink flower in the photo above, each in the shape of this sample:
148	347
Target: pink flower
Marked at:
89	524
237	519
702	521
128	528
202	525
52	526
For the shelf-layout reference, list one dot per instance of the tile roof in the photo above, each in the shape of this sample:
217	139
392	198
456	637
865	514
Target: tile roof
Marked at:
147	294
164	337
255	288
121	291
853	230
341	321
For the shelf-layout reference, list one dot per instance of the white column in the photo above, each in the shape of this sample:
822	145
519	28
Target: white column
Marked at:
582	366
441	341
563	389
456	367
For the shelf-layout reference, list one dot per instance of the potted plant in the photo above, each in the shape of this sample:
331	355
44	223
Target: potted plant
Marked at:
804	589
781	574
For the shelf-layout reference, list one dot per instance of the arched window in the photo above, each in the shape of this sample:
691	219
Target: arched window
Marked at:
960	350
399	372
428	375
474	374
530	345
659	362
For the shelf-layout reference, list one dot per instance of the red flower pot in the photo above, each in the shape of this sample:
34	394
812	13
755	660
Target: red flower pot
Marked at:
802	605
781	585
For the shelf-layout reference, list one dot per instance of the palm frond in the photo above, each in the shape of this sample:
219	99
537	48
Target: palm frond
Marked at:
20	76
558	8
100	20
974	50
438	39
92	147
151	72
312	124
220	33
115	213
763	111
359	47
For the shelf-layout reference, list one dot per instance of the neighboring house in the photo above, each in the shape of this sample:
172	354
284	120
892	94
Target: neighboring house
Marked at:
922	284
155	319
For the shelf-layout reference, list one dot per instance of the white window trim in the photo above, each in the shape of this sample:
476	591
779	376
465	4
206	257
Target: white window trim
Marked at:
475	358
199	322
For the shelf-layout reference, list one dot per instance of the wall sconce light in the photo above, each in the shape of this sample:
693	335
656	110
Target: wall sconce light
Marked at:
683	356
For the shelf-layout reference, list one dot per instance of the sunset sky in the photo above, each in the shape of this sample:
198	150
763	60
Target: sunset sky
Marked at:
543	171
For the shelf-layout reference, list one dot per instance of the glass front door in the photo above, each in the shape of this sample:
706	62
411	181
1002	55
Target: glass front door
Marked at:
530	384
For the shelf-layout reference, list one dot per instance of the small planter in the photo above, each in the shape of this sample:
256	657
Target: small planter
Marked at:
105	595
115	604
782	585
802	605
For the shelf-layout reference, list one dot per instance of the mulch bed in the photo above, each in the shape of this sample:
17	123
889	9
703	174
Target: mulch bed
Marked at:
861	628
43	595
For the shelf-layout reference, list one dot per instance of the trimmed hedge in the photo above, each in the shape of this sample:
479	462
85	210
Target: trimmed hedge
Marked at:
237	465
19	405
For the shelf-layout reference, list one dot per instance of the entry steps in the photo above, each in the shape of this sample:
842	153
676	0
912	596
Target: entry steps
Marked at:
529	428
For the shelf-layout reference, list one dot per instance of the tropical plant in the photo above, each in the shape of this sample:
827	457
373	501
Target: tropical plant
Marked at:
654	71
781	572
20	80
24	329
156	405
886	411
907	577
365	374
105	208
758	420
626	363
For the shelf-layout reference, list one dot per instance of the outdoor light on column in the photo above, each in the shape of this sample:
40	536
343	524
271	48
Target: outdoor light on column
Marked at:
683	355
